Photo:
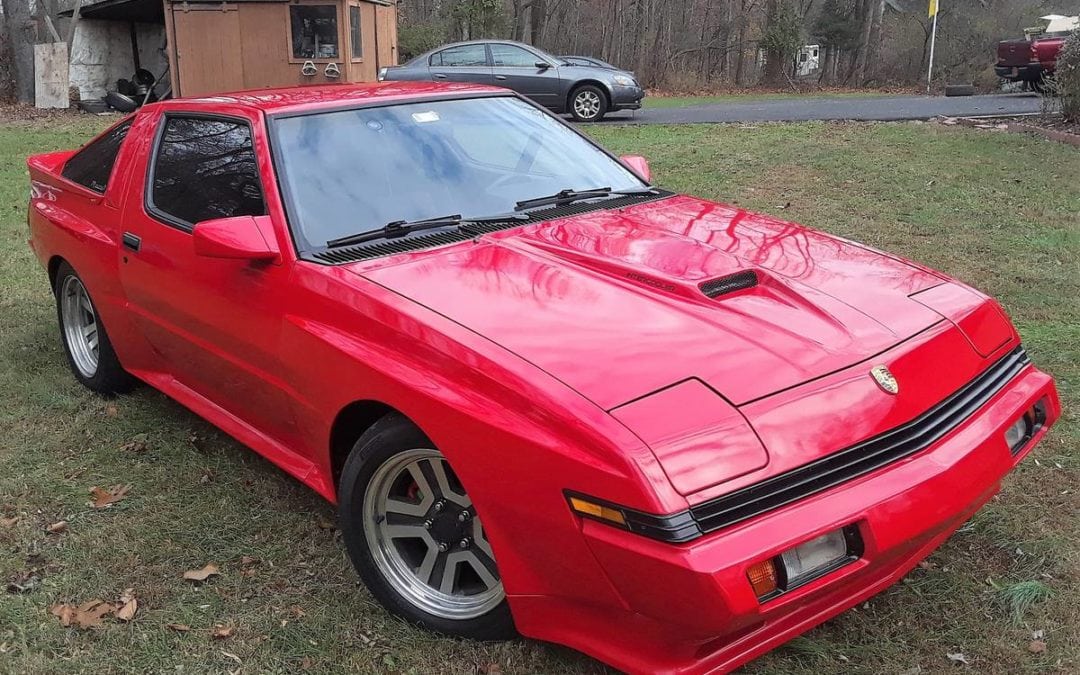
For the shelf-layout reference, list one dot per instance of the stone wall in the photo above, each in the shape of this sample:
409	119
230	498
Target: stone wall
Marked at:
101	54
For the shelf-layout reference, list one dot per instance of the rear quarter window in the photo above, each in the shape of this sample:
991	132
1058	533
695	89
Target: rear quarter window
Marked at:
93	164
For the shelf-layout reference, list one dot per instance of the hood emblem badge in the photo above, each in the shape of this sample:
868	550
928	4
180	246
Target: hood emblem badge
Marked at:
885	379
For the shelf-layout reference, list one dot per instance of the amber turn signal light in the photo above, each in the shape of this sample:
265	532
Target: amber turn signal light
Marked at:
599	511
763	578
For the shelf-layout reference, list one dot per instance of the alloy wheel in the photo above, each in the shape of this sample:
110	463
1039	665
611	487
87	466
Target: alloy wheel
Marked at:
426	539
80	326
587	104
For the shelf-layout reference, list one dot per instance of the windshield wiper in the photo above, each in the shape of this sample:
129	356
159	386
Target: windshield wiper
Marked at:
400	228
564	197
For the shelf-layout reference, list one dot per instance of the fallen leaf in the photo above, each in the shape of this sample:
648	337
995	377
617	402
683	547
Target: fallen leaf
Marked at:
178	627
128	605
103	498
1037	647
112	410
306	663
927	565
138	445
23	582
958	657
248	561
57	527
90	614
9	522
234	657
297	611
491	669
221	632
210	570
324	524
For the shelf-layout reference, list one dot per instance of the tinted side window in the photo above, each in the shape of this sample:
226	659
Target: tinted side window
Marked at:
511	56
206	168
466	55
92	165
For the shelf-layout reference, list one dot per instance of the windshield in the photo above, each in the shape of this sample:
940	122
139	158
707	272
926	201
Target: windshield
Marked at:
355	171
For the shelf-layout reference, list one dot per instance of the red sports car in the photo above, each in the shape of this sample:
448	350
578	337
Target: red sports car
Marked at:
548	397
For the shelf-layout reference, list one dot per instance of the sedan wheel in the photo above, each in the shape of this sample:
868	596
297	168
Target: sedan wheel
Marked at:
414	535
425	537
588	104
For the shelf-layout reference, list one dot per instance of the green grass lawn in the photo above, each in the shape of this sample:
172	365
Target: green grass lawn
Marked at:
959	199
750	97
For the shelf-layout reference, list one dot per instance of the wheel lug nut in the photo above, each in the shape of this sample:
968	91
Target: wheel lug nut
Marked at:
443	547
463	516
439	506
464	543
428	524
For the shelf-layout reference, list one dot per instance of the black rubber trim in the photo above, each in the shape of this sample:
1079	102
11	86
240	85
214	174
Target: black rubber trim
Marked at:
863	458
827	472
467	231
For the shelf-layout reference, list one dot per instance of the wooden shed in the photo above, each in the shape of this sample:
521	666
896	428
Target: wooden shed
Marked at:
216	46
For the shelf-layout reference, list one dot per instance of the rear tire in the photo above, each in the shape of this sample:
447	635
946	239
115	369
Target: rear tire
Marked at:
414	537
89	351
588	103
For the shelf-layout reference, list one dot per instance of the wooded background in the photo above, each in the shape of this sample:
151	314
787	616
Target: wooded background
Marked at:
684	45
692	45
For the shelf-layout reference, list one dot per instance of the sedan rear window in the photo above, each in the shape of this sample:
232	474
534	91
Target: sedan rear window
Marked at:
352	171
464	56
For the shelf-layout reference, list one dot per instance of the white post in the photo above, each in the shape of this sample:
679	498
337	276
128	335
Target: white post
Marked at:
933	39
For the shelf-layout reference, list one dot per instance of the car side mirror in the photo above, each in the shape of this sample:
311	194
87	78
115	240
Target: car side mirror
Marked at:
543	65
238	238
638	165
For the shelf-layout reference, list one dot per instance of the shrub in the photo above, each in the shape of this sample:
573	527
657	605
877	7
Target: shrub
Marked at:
1066	82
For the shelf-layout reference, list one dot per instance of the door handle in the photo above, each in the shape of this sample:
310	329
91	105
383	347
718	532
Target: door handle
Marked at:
131	241
500	77
440	76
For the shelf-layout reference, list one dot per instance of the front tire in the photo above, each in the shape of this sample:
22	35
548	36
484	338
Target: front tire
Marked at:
89	351
414	537
588	103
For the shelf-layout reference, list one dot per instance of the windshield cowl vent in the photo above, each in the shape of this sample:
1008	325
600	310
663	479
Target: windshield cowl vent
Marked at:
729	284
379	248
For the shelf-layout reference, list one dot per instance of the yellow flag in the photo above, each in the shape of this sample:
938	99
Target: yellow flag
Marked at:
933	8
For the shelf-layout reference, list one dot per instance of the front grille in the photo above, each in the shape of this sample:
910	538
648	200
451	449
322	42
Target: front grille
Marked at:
863	458
384	247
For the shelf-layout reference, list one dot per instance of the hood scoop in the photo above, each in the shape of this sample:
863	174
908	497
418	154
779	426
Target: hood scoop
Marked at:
729	284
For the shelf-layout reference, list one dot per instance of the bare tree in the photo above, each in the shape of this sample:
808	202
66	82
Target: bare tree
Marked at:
18	40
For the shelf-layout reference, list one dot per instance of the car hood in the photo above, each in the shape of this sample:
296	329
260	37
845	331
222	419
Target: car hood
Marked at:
611	302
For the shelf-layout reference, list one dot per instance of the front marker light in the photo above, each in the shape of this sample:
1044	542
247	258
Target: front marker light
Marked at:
382	74
598	511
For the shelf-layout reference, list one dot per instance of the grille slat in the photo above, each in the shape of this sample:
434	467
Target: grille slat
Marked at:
863	458
385	247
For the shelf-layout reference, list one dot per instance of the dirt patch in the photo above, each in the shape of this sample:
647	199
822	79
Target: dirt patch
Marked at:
29	116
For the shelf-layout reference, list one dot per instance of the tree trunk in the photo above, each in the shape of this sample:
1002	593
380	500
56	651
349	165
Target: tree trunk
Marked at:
774	58
19	37
538	13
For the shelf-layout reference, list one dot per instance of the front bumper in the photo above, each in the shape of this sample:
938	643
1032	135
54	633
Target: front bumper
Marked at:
690	608
626	98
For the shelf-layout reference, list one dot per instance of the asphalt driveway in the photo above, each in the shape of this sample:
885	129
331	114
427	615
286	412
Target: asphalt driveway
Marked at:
836	108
